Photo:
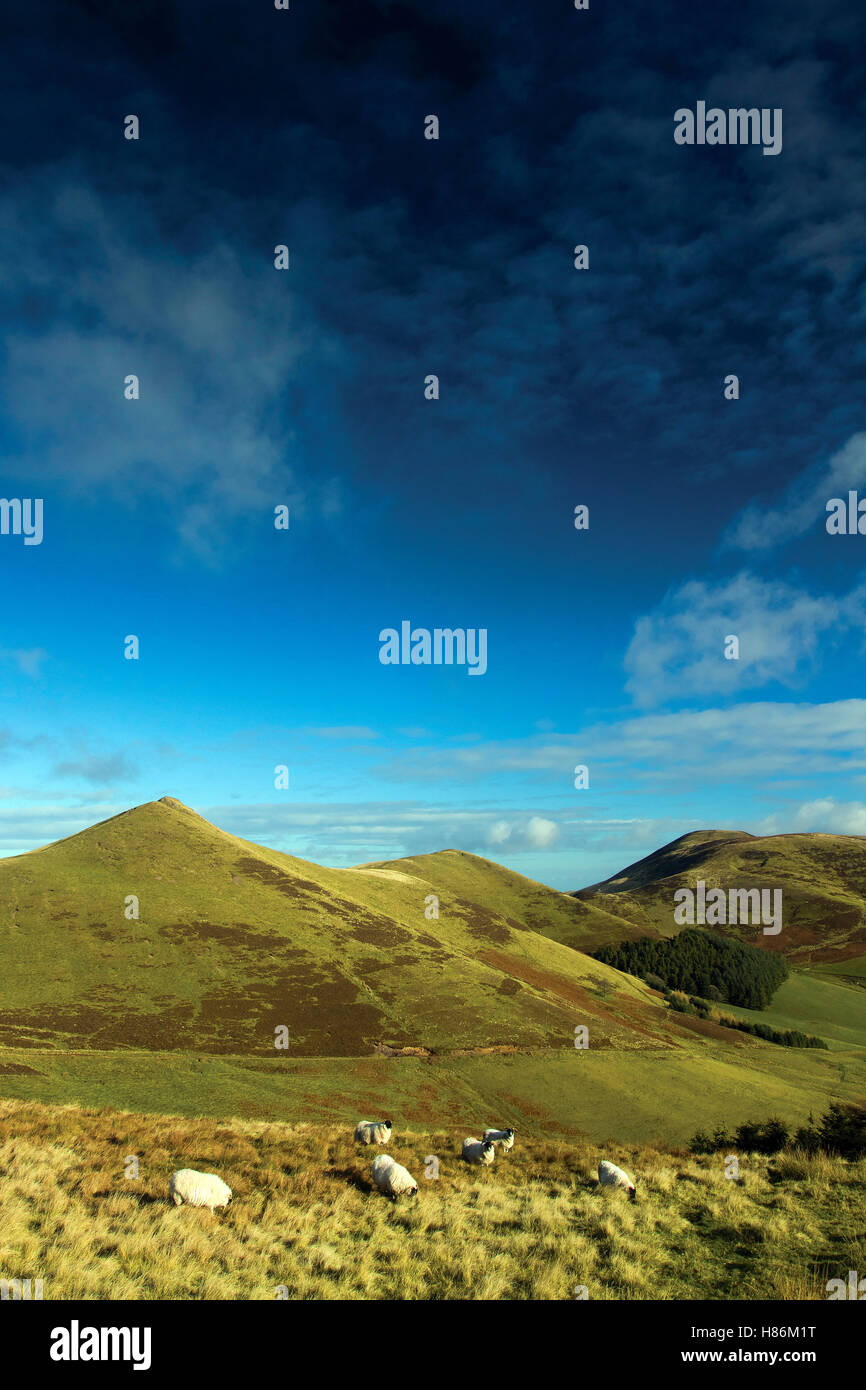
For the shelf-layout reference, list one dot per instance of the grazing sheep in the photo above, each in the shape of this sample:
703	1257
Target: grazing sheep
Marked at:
198	1189
478	1150
503	1137
611	1176
372	1131
392	1178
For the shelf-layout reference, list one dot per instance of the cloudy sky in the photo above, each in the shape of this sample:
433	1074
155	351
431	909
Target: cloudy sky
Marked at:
558	387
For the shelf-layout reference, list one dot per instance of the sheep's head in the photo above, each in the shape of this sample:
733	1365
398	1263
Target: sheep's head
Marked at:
510	1133
488	1145
387	1124
632	1194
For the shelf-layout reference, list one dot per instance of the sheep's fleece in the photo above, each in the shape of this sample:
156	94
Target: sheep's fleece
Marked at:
198	1189
392	1178
609	1175
372	1131
478	1150
504	1138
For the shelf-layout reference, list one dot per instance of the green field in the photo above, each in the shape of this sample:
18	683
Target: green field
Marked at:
855	968
830	1009
658	1096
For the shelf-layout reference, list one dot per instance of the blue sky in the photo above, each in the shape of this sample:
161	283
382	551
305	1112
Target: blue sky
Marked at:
557	387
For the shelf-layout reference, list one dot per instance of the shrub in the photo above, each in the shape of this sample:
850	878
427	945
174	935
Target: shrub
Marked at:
787	1037
842	1131
764	1137
654	982
702	1143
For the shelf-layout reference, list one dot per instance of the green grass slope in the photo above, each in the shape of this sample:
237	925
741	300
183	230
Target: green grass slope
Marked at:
234	940
560	916
388	1008
833	1009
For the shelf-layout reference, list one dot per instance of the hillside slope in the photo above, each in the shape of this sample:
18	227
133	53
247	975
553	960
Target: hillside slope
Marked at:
563	917
234	940
822	878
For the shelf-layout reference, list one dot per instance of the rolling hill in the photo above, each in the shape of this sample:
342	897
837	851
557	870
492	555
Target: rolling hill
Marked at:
822	878
388	1006
233	941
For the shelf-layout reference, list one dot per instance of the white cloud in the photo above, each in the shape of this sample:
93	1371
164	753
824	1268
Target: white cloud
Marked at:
541	833
363	831
804	505
758	739
28	660
824	814
677	651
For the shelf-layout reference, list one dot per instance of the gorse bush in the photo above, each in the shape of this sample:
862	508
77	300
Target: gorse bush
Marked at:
654	981
701	963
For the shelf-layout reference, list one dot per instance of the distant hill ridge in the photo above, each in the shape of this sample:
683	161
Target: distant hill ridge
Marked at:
822	878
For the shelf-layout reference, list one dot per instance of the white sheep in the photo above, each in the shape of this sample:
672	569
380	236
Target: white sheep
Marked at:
198	1189
609	1175
504	1138
392	1178
478	1150
372	1131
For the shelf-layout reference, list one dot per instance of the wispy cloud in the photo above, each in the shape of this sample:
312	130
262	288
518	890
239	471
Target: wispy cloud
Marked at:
351	731
804	505
101	770
215	341
823	814
678	651
30	661
739	743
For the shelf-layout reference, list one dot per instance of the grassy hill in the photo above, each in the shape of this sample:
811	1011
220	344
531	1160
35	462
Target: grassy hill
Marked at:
234	940
561	916
387	1007
304	1219
822	878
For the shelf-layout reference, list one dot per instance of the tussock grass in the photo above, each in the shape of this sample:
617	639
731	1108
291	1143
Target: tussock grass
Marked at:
304	1216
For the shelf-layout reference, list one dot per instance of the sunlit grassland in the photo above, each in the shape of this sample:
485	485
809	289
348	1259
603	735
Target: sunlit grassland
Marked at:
305	1219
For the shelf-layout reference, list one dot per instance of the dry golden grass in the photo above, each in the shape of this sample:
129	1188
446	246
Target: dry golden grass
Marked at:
304	1217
